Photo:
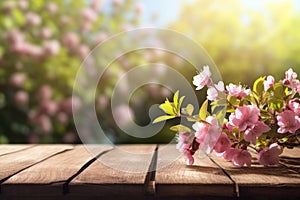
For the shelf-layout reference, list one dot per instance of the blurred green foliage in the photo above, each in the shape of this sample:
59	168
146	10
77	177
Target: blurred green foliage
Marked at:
245	42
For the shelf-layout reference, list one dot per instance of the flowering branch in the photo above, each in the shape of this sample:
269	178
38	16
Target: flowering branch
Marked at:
266	119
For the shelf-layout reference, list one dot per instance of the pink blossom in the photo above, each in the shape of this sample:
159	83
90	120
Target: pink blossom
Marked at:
70	105
86	26
44	93
69	137
46	32
222	144
183	141
291	80
202	79
62	118
101	37
51	7
51	48
237	91
288	121
139	8
241	157
212	92
83	51
207	133
269	155
102	101
14	37
21	98
294	105
89	15
244	116
255	131
228	153
269	82
97	4
48	107
189	159
33	19
23	4
71	40
18	79
44	123
123	115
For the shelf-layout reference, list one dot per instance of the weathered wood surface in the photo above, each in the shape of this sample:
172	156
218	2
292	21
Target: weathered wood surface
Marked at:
137	171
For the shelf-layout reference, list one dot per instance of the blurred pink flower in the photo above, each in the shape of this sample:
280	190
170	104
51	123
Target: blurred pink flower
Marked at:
237	91
7	6
83	51
228	153
201	129
86	26
101	37
241	157
270	155
291	80
17	79
62	118
48	107
202	79
97	4
288	121
222	144
44	123
255	131
46	33
51	48
269	82
15	36
244	116
23	4
65	20
102	101
89	15
123	114
71	40
33	19
70	137
117	3
294	105
27	49
51	7
70	105
21	98
44	93
139	8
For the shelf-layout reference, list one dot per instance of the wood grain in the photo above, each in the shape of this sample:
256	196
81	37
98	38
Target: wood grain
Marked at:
204	178
269	182
13	163
47	178
9	148
118	173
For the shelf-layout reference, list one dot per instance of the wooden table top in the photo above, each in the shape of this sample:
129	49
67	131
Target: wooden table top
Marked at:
71	172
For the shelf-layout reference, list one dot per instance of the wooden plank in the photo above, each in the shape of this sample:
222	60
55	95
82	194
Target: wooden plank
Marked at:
291	159
9	148
259	181
204	178
48	177
118	173
13	163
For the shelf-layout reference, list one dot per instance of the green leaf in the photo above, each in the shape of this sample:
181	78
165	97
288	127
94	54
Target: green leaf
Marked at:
276	103
203	110
180	102
258	86
175	99
188	110
279	91
233	100
167	107
180	128
162	118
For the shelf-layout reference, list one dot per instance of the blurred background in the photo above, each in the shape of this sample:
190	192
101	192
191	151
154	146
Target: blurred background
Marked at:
43	43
